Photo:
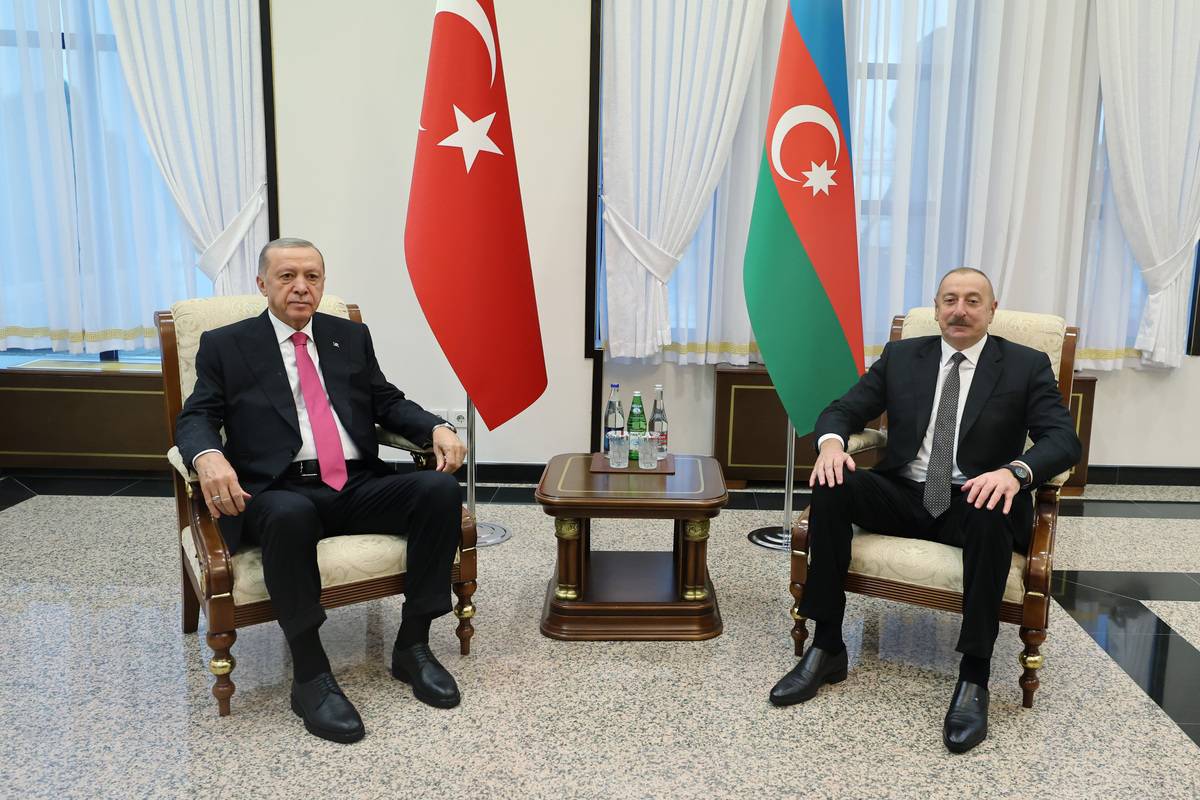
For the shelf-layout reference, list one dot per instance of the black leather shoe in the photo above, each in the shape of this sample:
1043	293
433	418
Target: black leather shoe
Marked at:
817	668
966	721
431	683
325	710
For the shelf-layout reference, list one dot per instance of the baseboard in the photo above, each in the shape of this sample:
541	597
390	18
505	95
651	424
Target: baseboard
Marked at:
1152	476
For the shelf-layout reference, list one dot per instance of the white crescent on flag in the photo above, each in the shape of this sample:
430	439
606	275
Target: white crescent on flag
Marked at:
473	13
798	115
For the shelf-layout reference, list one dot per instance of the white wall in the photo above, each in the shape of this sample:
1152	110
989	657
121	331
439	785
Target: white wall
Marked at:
349	79
1147	417
348	85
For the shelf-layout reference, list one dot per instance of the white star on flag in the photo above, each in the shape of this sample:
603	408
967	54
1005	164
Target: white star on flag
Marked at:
820	178
471	137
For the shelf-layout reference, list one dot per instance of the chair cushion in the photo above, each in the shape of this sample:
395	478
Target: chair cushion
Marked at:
341	559
918	562
194	317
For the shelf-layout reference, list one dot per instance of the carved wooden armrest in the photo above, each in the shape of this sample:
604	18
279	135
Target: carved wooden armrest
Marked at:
216	576
1040	557
422	456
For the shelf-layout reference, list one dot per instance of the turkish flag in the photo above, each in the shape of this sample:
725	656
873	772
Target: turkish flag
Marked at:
465	241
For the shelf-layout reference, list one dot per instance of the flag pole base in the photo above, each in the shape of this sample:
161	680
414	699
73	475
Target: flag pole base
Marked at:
773	537
489	533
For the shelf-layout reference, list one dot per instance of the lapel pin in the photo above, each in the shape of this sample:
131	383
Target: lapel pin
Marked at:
335	344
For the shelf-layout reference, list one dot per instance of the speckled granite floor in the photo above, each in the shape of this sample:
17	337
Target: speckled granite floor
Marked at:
103	696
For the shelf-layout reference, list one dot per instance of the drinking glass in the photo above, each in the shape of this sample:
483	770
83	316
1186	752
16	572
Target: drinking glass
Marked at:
618	449
648	450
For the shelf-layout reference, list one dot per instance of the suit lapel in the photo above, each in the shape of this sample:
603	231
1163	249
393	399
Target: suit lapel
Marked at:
262	354
987	372
925	371
334	369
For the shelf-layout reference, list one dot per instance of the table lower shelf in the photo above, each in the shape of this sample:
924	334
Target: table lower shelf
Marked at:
631	595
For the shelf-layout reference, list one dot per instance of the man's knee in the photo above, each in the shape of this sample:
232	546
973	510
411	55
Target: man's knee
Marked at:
837	494
440	490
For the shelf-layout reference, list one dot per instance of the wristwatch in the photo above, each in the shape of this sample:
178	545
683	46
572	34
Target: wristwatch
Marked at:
1020	473
449	425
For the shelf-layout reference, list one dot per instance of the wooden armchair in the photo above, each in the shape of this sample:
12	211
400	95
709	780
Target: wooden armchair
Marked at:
230	588
930	574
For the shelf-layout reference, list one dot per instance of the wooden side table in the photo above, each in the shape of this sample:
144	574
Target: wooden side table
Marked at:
610	595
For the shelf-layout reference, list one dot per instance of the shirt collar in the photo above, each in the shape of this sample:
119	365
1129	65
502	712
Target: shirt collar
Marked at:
971	353
283	331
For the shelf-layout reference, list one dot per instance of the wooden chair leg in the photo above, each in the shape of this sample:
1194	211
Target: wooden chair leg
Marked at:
799	627
465	611
221	665
190	603
1032	661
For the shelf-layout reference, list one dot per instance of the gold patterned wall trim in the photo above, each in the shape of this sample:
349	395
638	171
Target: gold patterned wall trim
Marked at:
78	337
88	366
1100	354
709	348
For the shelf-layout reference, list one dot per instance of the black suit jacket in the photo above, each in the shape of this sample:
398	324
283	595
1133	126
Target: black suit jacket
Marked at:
241	386
1013	392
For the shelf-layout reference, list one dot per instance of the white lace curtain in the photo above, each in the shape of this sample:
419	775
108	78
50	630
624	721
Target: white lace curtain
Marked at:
90	241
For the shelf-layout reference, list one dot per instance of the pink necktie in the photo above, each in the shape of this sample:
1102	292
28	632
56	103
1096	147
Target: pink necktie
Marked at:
330	455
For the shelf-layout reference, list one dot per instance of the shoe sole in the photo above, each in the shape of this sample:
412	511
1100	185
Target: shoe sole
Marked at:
429	700
837	677
332	736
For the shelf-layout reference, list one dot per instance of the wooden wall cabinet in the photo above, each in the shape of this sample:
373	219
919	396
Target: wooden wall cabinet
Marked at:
82	419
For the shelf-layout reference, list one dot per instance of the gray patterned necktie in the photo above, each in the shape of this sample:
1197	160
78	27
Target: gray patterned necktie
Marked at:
941	453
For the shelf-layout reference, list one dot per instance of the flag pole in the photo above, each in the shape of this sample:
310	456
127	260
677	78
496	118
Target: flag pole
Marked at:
779	537
486	533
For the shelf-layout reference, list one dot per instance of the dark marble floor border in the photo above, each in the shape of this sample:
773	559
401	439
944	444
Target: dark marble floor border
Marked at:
1108	605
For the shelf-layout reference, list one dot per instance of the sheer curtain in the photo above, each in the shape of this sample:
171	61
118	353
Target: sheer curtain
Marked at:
974	127
90	241
674	80
1150	60
195	73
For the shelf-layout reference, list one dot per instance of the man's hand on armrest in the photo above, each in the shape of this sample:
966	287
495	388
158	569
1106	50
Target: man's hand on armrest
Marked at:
219	482
449	449
832	459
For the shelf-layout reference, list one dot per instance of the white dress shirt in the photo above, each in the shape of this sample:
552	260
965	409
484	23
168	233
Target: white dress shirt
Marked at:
308	447
916	469
919	466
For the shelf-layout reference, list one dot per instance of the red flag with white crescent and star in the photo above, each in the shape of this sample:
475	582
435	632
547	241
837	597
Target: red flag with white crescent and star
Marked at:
464	240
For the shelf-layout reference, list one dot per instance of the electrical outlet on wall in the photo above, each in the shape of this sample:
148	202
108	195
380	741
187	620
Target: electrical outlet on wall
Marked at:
458	418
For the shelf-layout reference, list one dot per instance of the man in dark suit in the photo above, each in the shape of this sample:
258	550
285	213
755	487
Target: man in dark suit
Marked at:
298	395
959	407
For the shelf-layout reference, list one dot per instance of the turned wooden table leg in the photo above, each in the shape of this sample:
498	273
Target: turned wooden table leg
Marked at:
567	530
695	559
464	609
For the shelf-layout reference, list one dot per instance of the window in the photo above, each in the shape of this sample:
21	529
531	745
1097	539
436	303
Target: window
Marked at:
91	242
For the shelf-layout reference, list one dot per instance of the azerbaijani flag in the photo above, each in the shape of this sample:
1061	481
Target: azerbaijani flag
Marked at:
801	268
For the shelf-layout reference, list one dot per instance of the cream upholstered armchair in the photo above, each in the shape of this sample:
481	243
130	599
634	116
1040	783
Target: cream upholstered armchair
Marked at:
930	574
230	588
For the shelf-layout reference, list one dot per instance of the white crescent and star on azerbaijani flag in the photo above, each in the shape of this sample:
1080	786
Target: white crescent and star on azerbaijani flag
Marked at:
820	177
471	135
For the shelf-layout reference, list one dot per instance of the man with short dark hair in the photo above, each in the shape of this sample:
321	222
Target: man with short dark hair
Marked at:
298	394
959	407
